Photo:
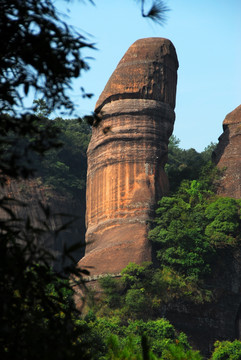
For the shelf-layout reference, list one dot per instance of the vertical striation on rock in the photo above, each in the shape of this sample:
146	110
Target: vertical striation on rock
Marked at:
127	154
227	155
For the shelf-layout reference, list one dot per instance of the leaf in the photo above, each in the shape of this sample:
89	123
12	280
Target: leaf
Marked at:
157	12
26	88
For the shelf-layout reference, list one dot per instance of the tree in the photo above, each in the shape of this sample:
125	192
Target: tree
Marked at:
63	169
191	229
139	339
41	109
39	53
224	222
185	164
157	11
227	350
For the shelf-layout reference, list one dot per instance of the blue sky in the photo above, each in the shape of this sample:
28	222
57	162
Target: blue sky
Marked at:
207	38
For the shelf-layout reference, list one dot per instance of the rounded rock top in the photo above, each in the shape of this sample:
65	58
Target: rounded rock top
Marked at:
234	117
148	70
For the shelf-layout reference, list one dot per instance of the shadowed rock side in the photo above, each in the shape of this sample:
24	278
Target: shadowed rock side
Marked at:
216	320
227	155
127	154
29	197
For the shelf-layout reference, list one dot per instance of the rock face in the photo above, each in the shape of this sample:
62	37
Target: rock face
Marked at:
32	192
227	155
220	319
127	154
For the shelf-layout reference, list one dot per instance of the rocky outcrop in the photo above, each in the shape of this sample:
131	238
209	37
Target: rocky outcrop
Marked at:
29	200
227	155
219	319
127	154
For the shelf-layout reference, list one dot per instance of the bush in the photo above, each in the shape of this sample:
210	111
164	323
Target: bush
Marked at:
226	350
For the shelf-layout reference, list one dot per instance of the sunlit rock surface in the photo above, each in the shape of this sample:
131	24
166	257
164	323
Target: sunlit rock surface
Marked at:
227	155
127	154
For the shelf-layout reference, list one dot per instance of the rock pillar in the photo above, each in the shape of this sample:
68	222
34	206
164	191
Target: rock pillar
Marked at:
127	154
227	155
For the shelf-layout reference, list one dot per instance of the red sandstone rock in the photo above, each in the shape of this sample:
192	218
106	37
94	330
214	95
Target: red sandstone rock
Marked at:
227	155
148	70
127	154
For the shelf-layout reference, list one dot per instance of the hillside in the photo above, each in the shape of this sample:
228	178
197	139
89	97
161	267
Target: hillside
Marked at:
55	193
199	295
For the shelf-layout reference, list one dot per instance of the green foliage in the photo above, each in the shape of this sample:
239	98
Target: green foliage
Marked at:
129	351
179	233
40	52
186	225
159	332
22	142
227	350
224	222
138	293
135	339
41	109
208	151
113	290
190	228
130	292
185	164
143	292
54	150
136	301
38	316
64	169
178	352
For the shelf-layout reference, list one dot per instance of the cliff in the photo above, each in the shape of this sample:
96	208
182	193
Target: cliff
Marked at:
219	319
50	211
127	154
227	155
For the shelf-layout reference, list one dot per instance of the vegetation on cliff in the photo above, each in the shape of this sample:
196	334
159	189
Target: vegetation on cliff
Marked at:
38	317
41	53
193	233
64	169
191	236
185	163
192	229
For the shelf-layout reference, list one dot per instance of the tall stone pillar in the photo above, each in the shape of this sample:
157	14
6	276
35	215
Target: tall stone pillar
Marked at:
127	154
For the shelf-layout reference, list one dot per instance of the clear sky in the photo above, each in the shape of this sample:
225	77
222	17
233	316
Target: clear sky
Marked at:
207	38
